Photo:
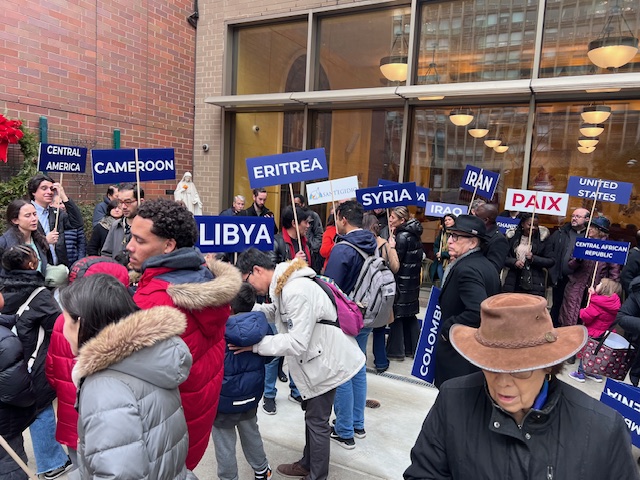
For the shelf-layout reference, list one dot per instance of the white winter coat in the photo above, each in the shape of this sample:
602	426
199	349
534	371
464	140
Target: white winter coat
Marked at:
321	357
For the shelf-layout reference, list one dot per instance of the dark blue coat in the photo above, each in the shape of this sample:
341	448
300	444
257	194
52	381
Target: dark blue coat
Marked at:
345	262
243	382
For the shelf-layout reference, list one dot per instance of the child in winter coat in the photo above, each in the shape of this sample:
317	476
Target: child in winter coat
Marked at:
242	389
598	317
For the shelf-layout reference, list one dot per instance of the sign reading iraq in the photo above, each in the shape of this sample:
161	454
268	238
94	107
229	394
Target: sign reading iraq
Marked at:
287	168
61	158
119	165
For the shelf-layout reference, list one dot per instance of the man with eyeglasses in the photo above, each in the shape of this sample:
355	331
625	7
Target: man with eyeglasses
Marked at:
115	245
561	244
469	279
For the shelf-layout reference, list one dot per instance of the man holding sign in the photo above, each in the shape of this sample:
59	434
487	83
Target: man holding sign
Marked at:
53	222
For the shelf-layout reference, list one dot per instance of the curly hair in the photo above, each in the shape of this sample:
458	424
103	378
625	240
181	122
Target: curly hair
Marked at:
170	220
18	258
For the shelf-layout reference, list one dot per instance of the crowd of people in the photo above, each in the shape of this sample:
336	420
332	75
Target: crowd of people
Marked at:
190	346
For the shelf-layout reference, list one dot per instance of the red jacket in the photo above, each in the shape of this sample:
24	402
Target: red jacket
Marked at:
179	279
600	314
58	365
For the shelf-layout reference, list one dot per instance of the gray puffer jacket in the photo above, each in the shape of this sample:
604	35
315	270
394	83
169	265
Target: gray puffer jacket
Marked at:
131	424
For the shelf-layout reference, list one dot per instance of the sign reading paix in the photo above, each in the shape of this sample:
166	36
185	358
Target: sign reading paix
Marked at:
287	168
544	203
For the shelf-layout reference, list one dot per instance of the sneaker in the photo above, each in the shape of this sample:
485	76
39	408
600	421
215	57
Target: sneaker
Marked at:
359	433
594	377
265	475
577	376
269	406
348	443
295	399
283	376
58	472
292	470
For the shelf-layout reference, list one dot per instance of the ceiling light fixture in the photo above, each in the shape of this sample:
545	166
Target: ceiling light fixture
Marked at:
395	66
478	132
492	142
461	117
586	149
591	129
614	47
588	141
432	70
501	148
596	113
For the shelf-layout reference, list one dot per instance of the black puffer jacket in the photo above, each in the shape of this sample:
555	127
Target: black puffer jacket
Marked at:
542	258
43	311
409	248
17	398
573	437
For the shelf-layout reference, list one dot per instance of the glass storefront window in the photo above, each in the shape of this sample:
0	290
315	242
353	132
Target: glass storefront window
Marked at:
569	26
265	55
555	157
475	41
440	151
351	47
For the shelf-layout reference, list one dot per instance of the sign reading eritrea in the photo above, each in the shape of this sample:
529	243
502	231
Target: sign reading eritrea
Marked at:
61	158
287	168
119	165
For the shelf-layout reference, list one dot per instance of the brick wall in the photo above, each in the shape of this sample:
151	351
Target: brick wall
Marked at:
92	67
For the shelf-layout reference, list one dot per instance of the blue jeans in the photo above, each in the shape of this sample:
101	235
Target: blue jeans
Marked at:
351	396
380	359
48	452
271	376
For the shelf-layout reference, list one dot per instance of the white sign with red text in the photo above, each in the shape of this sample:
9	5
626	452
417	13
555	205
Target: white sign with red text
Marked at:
544	203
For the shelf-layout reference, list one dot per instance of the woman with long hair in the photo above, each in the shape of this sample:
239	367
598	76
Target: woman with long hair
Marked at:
441	249
100	231
130	364
22	229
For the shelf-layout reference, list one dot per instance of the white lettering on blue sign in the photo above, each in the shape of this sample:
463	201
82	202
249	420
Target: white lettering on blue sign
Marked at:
427	361
130	167
476	180
232	234
62	167
376	198
62	150
286	168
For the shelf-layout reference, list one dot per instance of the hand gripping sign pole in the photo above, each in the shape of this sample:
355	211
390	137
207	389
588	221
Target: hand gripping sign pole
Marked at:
595	268
17	459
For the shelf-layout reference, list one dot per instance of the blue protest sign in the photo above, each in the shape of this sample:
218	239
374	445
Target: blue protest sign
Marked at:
392	195
425	359
234	234
625	400
119	165
287	168
482	182
61	158
601	250
609	191
506	223
422	193
435	209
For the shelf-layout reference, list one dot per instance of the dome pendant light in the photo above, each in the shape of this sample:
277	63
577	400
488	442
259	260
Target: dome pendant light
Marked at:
588	141
596	113
461	117
492	142
501	148
613	51
591	130
478	132
586	149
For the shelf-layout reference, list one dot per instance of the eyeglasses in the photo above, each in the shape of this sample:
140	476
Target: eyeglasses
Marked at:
127	202
246	280
578	216
522	375
455	236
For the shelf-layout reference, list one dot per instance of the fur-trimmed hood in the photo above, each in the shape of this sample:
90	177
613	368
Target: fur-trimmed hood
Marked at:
144	344
286	271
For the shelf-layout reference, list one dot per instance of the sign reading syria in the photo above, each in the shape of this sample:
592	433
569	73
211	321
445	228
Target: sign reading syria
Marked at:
234	234
436	209
598	189
287	168
332	190
392	195
119	165
61	158
601	250
543	203
424	362
422	193
480	181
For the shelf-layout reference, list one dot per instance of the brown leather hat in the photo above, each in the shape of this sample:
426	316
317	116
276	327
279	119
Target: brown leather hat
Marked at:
516	334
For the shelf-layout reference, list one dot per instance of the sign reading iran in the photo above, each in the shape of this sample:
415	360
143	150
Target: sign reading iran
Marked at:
608	191
425	359
506	223
422	193
119	165
435	209
543	203
61	158
601	250
482	182
287	168
234	234
393	195
625	399
343	188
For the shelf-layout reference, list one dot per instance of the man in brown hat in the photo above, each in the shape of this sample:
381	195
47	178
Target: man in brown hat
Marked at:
468	280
